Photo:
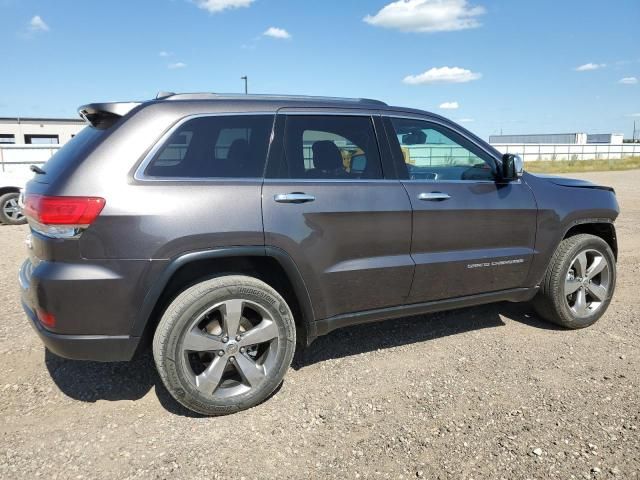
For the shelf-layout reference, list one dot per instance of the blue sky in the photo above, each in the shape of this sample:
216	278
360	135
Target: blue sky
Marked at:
507	65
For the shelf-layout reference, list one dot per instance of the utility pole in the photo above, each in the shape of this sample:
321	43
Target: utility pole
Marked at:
246	84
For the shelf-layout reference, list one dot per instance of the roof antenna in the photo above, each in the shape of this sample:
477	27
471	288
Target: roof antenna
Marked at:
162	95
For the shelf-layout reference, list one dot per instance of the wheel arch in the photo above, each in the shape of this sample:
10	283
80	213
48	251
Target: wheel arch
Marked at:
269	264
602	228
7	189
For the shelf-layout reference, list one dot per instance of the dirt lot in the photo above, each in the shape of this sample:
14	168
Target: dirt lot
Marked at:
488	392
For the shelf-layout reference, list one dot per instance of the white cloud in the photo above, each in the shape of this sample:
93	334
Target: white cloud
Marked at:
275	32
634	115
177	65
465	120
164	53
628	80
427	15
37	24
590	66
449	105
215	6
443	75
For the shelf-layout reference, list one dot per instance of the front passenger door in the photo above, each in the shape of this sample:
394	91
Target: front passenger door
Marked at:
472	232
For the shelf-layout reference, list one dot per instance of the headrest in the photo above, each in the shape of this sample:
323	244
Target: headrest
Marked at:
326	155
238	151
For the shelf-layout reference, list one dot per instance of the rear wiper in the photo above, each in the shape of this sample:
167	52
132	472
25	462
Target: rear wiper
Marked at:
37	169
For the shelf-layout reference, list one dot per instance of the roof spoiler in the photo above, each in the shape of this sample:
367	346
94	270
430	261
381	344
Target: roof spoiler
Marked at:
103	115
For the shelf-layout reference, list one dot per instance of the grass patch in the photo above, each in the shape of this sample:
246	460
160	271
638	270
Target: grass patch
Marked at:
569	166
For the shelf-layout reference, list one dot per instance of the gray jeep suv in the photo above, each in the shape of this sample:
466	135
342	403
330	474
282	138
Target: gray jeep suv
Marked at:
228	229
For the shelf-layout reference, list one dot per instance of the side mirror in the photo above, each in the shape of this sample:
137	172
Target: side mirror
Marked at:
512	166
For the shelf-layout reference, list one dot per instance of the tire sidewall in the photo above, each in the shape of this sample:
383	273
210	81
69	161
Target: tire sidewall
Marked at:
562	307
182	316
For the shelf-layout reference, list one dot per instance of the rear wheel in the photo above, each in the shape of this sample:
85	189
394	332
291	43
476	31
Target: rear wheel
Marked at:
579	282
225	344
10	211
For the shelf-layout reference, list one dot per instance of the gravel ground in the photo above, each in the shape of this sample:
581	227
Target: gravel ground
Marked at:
489	392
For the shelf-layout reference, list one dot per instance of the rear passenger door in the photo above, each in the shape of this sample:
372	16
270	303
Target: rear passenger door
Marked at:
472	232
327	204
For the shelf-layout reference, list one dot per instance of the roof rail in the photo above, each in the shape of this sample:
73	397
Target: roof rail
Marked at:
236	96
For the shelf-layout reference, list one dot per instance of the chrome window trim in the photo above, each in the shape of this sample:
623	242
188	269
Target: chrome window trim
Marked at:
329	180
329	111
493	182
141	177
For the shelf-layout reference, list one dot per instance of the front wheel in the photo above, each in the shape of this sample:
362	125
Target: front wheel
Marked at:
579	282
224	344
10	211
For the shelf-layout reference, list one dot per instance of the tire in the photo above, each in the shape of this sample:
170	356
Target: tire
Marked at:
210	365
572	294
9	210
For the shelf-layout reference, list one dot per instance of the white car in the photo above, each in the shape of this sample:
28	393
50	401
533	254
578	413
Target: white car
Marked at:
15	172
10	211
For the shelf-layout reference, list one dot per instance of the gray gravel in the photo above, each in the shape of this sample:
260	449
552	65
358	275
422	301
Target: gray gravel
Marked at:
489	392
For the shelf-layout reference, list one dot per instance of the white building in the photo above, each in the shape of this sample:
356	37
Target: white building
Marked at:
38	131
558	138
612	138
547	138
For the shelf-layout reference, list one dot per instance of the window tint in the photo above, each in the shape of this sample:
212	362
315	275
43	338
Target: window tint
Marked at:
432	152
329	147
215	146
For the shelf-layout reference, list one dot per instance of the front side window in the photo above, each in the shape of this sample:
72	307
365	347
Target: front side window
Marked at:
433	152
224	146
330	147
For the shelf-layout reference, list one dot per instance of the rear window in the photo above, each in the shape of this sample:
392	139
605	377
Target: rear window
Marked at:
223	146
74	151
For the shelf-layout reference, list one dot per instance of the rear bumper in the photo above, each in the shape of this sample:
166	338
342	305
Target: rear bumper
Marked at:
101	348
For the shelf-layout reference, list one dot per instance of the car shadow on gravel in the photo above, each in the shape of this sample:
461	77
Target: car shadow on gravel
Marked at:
93	381
410	330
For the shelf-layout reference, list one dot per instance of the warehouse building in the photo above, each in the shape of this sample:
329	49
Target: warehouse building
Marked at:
558	138
38	131
612	138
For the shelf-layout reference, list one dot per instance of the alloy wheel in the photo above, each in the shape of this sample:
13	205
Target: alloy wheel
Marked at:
230	348
12	209
587	283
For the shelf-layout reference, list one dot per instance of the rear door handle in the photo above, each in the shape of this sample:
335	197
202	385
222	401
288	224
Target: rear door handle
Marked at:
434	196
295	197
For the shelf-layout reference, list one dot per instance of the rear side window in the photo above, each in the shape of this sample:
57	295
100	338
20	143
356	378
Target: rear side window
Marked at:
331	147
223	146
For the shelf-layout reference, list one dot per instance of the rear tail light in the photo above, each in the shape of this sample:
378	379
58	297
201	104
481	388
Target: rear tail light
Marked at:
46	319
61	216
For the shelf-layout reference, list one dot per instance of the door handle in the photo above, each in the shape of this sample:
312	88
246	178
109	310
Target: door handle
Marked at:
434	196
295	197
